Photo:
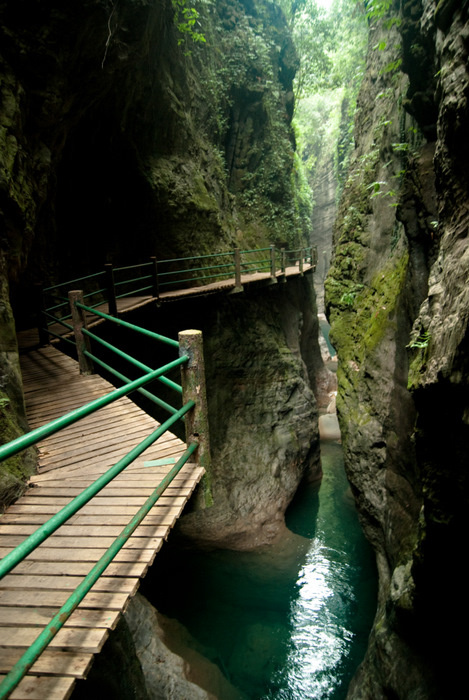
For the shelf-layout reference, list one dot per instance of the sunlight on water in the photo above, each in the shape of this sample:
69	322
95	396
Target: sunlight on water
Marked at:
319	639
290	622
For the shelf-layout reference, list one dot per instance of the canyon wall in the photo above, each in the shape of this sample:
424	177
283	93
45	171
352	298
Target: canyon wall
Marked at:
398	302
123	136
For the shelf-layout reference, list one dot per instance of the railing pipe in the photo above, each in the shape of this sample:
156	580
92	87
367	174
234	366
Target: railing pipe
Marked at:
126	380
78	279
22	666
132	360
301	261
131	326
111	289
44	431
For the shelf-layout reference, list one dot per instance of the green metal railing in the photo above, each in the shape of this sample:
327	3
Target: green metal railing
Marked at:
159	276
13	678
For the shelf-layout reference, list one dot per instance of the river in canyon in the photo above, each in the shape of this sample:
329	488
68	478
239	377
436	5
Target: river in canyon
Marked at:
289	622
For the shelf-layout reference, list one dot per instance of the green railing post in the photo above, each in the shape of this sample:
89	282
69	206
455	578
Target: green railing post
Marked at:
79	323
41	318
283	260
111	289
237	262
301	261
193	389
154	277
273	266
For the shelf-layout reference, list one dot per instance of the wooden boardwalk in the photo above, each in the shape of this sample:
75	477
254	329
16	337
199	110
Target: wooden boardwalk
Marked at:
68	461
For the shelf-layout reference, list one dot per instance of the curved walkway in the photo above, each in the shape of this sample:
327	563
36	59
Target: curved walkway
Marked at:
68	462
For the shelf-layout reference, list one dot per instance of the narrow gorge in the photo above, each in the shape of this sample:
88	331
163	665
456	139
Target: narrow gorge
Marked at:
136	128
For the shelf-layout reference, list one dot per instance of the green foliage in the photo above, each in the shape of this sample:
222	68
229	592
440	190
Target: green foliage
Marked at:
421	341
187	19
377	9
328	82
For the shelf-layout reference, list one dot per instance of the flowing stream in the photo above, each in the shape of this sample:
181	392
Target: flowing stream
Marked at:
290	622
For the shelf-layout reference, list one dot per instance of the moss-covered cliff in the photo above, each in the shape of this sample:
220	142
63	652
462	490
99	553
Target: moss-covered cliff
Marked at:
121	138
398	302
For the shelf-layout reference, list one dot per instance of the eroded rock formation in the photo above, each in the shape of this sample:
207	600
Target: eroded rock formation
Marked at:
121	138
398	302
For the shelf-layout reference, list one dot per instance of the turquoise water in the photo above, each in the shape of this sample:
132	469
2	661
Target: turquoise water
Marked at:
290	622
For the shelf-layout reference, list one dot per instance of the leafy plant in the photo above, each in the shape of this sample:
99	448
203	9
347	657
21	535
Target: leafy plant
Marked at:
186	19
421	341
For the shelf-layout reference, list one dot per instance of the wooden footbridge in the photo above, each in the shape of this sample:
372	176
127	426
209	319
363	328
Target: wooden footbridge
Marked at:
111	484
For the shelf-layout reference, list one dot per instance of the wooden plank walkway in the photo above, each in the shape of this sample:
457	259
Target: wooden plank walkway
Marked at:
68	461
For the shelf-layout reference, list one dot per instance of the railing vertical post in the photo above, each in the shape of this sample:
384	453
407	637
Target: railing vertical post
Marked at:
237	262
301	261
154	276
273	268
282	260
41	318
111	289
79	322
193	388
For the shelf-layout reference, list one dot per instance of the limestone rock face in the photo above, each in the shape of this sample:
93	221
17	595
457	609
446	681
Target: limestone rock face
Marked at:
398	303
263	371
169	675
121	138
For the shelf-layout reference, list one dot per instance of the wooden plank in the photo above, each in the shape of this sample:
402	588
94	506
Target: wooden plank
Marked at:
50	599
78	639
50	663
66	583
99	501
96	542
39	617
88	554
78	568
163	515
105	510
76	530
56	568
100	464
40	688
112	490
97	428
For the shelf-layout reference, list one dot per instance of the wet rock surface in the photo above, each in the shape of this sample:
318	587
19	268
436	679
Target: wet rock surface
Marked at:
398	305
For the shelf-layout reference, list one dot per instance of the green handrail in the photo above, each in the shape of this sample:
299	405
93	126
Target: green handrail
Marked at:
38	434
308	254
14	557
129	358
22	666
131	326
126	380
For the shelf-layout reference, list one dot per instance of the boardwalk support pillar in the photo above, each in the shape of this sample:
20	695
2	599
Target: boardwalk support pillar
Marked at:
193	388
79	322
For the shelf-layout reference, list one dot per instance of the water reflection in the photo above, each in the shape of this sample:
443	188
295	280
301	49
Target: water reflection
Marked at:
290	622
